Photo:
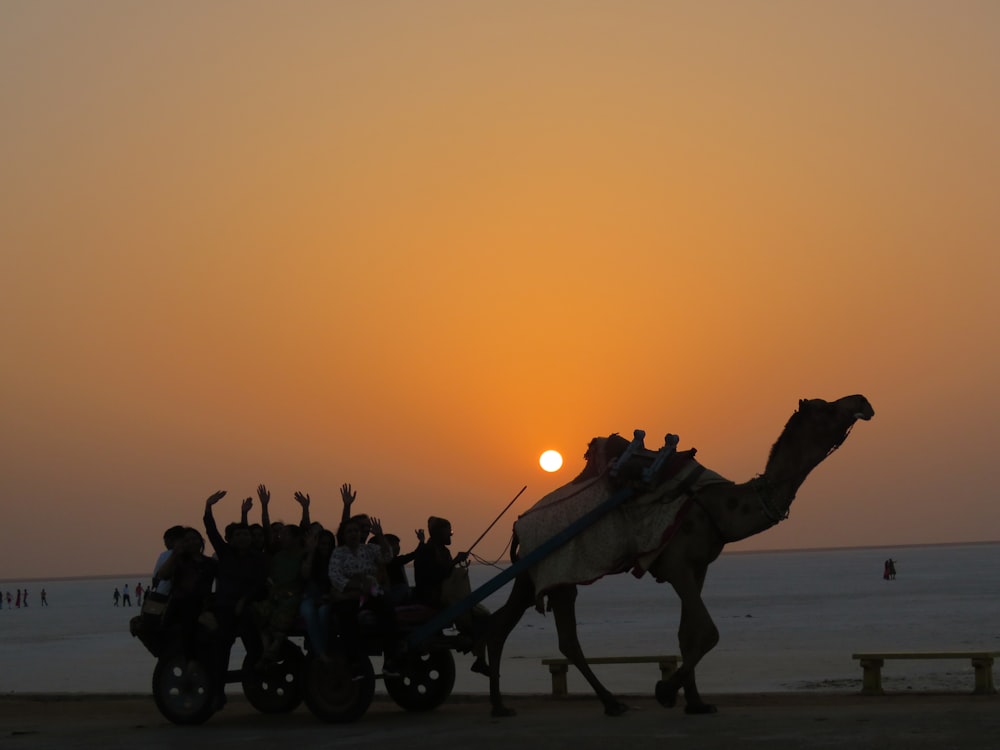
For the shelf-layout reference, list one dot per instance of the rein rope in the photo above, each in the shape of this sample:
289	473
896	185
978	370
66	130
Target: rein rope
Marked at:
840	442
765	491
767	505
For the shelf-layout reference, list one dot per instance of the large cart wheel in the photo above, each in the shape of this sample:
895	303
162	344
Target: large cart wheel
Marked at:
339	690
277	688
425	680
182	689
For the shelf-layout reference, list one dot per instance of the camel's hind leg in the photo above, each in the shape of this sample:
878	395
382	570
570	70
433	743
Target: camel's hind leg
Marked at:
697	636
563	603
498	627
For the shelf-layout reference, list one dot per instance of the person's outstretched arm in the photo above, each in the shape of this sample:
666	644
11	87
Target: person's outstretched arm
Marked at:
303	500
380	539
265	519
211	528
408	557
348	496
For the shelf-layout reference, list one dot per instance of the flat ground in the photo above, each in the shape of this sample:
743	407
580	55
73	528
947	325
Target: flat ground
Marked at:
773	721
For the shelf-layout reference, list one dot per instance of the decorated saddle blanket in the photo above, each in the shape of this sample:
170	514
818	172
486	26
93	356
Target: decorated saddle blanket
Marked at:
628	538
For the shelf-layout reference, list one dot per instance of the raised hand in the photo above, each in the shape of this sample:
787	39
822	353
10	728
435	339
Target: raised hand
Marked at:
302	499
263	494
347	495
420	535
247	505
216	497
376	527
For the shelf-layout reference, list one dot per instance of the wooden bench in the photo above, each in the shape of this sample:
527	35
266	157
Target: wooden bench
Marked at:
871	664
559	668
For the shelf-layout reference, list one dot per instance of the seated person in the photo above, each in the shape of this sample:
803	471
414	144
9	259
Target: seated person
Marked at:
354	569
397	584
285	582
170	537
315	604
433	570
191	575
241	582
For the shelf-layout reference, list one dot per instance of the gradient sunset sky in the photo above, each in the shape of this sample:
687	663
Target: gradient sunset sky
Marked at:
411	245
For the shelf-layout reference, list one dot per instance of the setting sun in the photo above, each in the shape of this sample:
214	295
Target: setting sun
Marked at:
551	461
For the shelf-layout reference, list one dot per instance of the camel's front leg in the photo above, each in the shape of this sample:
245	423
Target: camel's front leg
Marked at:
697	635
563	603
498	627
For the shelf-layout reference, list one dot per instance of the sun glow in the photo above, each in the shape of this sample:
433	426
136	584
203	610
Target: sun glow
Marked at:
551	461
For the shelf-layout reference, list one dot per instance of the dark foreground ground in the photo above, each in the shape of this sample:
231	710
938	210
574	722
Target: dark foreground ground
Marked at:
775	722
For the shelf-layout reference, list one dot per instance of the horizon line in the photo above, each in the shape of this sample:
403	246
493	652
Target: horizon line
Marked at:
785	550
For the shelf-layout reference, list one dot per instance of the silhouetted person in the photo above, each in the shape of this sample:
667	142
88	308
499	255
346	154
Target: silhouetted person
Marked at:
191	575
433	566
315	605
397	583
354	569
242	581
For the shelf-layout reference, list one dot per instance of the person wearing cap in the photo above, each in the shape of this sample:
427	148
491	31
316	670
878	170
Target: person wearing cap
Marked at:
433	565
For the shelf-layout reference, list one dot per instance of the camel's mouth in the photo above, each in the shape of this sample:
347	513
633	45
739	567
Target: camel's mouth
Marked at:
865	410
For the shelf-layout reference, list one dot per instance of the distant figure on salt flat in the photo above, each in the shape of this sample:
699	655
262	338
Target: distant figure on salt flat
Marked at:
892	569
17	602
8	600
45	598
24	598
138	593
116	596
126	598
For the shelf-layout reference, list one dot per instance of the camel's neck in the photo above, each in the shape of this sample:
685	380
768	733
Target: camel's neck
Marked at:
743	510
739	511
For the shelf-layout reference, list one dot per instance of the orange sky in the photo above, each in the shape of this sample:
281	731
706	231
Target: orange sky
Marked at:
411	245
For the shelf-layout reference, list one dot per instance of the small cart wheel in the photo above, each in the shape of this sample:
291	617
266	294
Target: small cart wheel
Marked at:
276	688
182	689
339	690
425	680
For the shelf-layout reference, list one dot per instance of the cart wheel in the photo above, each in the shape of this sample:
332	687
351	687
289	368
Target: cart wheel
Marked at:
277	688
182	689
426	681
337	690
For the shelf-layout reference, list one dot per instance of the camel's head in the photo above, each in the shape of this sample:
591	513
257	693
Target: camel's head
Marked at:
856	406
818	428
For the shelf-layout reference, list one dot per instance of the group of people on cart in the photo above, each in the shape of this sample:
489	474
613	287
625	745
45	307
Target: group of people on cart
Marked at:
269	580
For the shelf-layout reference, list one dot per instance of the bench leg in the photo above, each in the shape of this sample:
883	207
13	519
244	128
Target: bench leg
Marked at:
667	668
559	672
984	676
871	678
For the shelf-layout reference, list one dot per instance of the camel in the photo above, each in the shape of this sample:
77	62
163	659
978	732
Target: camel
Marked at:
717	514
